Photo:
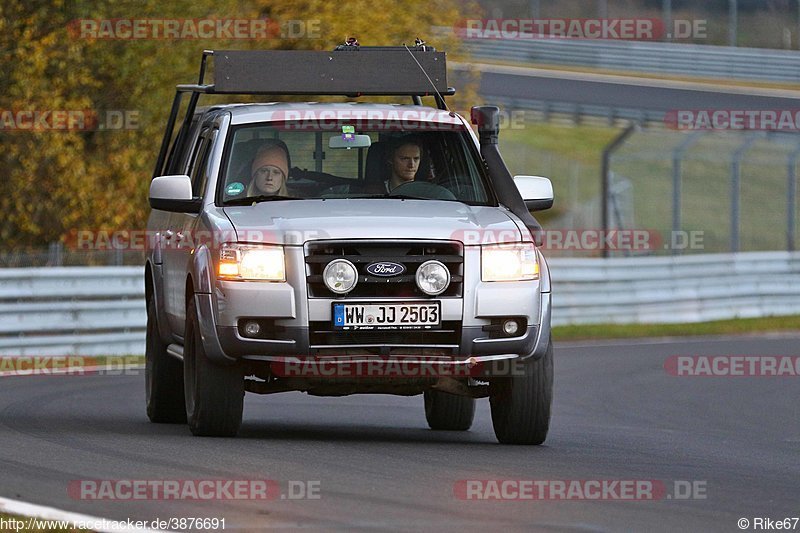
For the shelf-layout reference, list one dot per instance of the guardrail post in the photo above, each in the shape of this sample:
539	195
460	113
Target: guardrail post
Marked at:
733	22
606	176
677	159
602	9
545	112
791	195
55	254
736	178
535	9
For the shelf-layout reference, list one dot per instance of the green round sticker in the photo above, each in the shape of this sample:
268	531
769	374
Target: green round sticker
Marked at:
234	189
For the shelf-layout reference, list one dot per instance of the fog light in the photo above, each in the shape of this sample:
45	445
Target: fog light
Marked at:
340	276
433	278
510	327
252	329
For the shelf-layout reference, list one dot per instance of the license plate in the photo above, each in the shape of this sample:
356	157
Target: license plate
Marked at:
387	316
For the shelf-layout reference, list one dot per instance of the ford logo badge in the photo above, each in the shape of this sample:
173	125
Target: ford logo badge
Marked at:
385	269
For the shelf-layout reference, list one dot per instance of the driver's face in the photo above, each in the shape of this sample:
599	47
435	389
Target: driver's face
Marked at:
405	162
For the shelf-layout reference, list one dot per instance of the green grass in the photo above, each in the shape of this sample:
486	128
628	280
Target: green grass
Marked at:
571	156
718	327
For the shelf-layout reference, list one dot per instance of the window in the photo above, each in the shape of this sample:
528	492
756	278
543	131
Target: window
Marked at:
446	165
198	169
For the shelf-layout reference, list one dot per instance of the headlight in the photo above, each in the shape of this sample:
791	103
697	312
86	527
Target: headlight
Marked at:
509	262
252	262
433	278
340	276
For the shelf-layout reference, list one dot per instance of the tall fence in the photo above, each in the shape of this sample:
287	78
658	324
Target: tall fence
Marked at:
100	310
736	190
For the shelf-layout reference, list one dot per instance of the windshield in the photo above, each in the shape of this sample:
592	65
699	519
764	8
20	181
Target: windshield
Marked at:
310	160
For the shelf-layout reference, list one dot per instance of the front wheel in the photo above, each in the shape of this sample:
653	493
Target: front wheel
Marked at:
214	393
448	412
521	403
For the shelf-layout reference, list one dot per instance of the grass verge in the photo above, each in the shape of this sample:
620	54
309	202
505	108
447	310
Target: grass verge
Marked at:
774	324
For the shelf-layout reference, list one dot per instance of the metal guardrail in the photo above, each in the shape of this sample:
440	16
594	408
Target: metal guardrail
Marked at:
675	289
100	310
704	61
577	113
72	310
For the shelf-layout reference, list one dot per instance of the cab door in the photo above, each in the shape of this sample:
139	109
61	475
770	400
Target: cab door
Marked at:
181	234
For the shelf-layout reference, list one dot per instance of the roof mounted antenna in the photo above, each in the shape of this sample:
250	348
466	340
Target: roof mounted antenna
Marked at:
439	98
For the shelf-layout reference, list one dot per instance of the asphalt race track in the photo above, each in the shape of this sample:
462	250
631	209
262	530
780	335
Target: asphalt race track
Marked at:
620	91
618	415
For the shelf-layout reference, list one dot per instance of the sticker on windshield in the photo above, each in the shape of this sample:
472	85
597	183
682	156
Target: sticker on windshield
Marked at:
235	189
349	133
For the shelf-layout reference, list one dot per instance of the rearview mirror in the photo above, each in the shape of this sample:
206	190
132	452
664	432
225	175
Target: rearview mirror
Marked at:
536	191
174	193
352	141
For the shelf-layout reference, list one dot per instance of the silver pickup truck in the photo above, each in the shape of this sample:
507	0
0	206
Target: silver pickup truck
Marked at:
344	248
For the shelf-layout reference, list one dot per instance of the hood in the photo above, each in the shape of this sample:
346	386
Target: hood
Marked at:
293	222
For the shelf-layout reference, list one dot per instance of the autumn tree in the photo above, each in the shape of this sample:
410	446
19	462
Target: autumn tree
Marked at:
57	181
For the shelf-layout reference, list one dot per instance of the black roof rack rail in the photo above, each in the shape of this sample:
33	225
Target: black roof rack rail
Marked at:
349	70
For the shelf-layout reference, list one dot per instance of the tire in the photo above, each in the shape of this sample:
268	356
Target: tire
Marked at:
214	393
448	412
521	404
163	377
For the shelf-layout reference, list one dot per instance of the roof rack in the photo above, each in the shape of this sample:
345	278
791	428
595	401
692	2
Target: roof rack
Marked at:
349	70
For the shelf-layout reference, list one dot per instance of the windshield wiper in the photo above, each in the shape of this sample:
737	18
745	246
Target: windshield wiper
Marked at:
405	197
259	198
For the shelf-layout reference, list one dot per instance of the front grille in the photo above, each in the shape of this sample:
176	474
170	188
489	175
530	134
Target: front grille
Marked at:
410	254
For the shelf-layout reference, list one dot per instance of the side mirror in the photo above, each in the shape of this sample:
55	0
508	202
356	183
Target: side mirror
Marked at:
536	191
174	193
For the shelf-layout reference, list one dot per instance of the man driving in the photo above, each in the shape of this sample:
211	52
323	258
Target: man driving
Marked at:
404	161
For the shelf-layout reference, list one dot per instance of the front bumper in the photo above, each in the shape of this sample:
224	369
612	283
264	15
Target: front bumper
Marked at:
224	344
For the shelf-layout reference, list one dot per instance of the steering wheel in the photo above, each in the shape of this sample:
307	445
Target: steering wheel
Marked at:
424	189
